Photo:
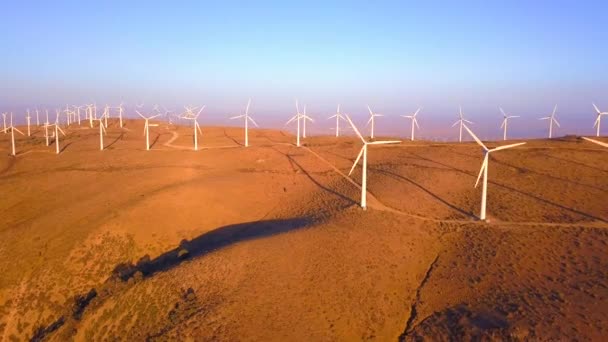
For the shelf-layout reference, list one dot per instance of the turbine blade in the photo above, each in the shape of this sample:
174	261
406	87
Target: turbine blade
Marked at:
384	142
252	121
596	142
291	120
237	117
355	129
557	123
483	166
475	137
248	104
504	147
356	160
467	121
596	109
456	123
416	122
138	113
502	111
370	110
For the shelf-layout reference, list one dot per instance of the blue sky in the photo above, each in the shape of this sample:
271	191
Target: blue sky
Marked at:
523	55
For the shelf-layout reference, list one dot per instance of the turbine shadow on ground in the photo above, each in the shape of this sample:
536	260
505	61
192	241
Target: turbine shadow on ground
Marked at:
540	199
293	162
523	170
116	140
231	138
207	242
450	205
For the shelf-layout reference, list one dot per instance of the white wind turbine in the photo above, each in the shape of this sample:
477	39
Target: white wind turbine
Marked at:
338	117
4	120
371	120
247	119
598	120
505	122
78	108
13	129
197	127
46	127
147	128
102	131
37	118
363	153
596	142
551	121
27	118
414	121
296	117
484	169
304	118
120	111
57	131
461	121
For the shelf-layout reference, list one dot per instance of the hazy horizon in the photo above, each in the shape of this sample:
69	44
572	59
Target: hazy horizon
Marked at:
525	57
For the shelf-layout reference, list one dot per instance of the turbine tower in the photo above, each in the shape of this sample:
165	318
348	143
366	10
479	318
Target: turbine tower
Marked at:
338	117
505	122
13	129
598	120
460	122
551	121
147	128
414	121
363	153
484	169
371	120
247	119
296	117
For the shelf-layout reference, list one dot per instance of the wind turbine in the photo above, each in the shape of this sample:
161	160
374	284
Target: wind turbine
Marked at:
102	130
27	118
551	121
461	121
598	120
120	110
596	142
304	118
338	116
13	129
371	120
90	114
197	127
147	128
414	121
4	120
46	127
37	118
505	122
297	118
363	153
484	169
247	119
57	131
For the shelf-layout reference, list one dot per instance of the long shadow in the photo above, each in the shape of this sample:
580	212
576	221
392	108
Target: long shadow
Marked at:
559	179
294	162
524	170
452	206
233	139
116	140
65	147
516	191
207	242
155	141
574	162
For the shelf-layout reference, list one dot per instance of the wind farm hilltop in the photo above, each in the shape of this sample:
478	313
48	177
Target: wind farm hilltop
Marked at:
138	222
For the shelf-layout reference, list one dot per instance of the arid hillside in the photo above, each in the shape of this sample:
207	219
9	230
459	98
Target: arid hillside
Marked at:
268	242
